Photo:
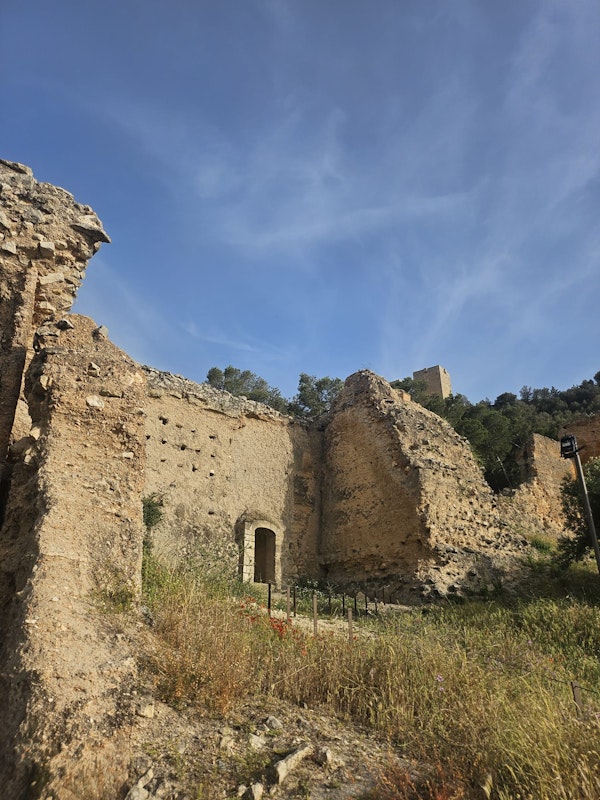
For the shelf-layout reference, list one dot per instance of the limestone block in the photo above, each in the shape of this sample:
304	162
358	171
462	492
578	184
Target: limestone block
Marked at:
47	250
281	769
53	277
93	401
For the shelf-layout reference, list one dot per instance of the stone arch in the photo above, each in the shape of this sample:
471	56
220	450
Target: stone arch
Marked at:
260	549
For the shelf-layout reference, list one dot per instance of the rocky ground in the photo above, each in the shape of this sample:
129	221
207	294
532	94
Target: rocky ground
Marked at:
262	748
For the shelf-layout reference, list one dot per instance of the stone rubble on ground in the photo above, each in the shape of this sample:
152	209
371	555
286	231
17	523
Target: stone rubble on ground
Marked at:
308	752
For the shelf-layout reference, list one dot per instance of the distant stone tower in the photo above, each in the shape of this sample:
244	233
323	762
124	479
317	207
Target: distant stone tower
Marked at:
436	379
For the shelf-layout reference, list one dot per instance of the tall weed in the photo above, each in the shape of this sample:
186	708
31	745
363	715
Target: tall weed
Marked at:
483	690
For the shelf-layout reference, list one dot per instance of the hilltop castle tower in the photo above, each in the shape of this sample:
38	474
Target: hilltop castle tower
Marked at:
436	379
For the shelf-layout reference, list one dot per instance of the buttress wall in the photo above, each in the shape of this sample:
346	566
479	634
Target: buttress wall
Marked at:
403	500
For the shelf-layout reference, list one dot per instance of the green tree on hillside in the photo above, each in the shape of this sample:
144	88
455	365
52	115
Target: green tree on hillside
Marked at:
498	431
416	389
315	395
246	384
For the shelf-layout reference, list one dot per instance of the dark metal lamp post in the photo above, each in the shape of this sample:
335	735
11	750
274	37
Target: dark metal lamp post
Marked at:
569	449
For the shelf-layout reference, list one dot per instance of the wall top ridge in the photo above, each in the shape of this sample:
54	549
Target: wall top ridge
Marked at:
166	383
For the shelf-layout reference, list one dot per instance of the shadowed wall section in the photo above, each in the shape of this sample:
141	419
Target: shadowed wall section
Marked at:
72	536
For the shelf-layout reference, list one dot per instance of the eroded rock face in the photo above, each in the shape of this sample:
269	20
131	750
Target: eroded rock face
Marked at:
404	503
46	240
72	536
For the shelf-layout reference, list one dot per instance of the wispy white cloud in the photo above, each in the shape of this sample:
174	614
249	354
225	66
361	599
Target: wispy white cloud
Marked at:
553	152
263	352
459	199
549	156
192	329
135	324
295	185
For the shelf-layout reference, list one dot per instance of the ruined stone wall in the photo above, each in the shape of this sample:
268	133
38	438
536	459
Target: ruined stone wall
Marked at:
587	432
540	458
404	501
46	239
535	507
72	536
225	466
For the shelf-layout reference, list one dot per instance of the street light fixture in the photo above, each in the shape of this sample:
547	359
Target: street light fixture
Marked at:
569	449
568	446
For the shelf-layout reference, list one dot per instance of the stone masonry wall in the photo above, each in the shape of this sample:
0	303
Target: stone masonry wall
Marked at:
436	379
46	239
72	536
587	432
404	499
535	507
225	466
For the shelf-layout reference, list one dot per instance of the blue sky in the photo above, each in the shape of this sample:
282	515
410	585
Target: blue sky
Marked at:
324	186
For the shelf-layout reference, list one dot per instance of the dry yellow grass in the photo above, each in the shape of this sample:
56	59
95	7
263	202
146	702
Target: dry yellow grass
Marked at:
483	691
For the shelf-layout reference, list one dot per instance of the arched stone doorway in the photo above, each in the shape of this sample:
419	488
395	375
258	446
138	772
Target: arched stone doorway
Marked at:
264	555
260	549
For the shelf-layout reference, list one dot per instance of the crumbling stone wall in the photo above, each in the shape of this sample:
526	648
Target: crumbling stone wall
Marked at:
225	466
540	459
72	463
381	491
72	537
46	239
587	432
404	502
535	507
